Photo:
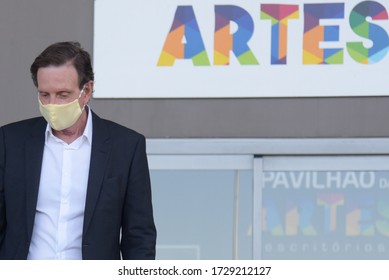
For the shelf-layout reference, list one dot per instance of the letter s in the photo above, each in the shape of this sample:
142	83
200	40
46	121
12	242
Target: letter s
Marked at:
364	28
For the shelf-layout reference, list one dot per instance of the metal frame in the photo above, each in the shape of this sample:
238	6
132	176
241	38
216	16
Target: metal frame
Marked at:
271	146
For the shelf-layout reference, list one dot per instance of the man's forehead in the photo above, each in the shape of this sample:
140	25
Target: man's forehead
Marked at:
63	76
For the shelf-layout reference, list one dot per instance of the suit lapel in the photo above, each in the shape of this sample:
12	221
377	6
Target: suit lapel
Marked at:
33	163
101	146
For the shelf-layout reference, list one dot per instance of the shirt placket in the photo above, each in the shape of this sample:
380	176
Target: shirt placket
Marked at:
64	201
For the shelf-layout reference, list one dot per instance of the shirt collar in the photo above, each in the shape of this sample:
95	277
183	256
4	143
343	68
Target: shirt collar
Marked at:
87	134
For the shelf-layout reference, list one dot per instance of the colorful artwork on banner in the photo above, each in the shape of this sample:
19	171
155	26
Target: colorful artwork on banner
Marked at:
251	49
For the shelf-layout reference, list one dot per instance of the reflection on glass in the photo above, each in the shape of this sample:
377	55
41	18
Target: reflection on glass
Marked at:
194	213
325	215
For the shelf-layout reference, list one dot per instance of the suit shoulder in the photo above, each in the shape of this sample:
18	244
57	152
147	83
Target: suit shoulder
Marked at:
23	125
118	129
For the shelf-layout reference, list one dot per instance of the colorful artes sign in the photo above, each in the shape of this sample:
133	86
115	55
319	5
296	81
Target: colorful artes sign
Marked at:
230	49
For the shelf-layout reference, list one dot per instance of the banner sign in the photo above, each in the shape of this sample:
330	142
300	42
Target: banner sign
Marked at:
325	215
239	49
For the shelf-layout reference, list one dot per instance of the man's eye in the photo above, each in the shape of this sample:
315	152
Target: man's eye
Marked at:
64	95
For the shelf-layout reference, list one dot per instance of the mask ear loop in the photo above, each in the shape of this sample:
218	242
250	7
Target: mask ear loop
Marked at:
39	100
82	90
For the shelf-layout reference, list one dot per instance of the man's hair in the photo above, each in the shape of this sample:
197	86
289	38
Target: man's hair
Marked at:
61	53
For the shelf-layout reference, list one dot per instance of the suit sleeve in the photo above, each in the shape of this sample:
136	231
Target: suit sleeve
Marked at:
2	198
138	229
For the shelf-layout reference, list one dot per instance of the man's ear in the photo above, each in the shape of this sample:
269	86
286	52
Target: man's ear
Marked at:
88	91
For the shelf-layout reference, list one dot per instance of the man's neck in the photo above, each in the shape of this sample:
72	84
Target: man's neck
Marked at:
72	133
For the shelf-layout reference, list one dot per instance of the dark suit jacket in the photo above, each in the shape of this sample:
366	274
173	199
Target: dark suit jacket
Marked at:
118	219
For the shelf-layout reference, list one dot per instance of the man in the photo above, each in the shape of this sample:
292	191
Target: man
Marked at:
72	185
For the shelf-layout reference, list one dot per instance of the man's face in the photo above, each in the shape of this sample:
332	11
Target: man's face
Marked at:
59	85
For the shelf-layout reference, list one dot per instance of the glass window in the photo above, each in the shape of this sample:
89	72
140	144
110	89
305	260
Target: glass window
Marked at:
195	210
324	208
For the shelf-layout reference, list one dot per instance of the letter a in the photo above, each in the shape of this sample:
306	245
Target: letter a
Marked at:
184	29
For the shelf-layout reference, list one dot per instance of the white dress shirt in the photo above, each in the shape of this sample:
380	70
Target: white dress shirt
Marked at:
57	232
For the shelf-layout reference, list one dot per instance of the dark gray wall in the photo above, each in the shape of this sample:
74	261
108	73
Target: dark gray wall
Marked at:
28	26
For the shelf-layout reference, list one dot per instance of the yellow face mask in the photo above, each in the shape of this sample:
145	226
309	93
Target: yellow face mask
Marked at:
61	116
